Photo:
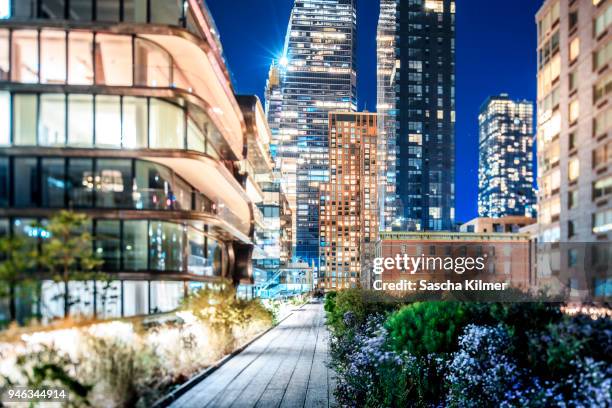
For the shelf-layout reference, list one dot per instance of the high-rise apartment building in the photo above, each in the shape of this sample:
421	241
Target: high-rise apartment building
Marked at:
317	74
574	145
124	111
348	222
505	157
417	103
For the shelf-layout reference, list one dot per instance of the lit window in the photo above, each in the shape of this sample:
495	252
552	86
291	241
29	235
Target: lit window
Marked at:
603	21
574	111
80	58
4	54
5	129
5	9
602	221
574	49
25	56
573	169
52	57
113	60
52	123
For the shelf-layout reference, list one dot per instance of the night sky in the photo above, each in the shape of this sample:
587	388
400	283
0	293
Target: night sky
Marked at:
495	52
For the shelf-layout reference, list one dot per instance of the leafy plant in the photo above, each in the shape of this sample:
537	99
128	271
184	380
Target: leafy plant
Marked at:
68	252
15	259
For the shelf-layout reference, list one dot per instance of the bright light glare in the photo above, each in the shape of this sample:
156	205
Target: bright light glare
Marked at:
5	9
284	61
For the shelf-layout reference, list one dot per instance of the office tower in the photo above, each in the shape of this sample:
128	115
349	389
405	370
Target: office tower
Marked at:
348	223
573	137
505	157
102	113
386	110
422	108
317	75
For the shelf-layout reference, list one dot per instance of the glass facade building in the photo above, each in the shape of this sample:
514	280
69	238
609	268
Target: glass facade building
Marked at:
416	100
505	157
317	74
135	125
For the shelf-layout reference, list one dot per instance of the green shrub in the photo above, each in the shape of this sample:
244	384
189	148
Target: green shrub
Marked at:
427	327
360	303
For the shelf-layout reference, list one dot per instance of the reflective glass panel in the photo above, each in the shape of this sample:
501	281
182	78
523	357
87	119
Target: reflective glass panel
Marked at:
5	123
24	119
166	246
80	58
25	182
114	183
135	298
52	57
108	121
113	60
80	120
135	122
4	183
80	182
52	121
108	244
24	56
135	240
167	126
4	54
53	182
153	64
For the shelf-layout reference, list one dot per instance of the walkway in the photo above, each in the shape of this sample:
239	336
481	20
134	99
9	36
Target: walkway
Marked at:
284	368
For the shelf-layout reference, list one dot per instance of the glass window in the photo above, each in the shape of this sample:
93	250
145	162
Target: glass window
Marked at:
135	122
113	60
80	182
108	299
574	111
574	49
214	255
80	58
573	169
5	9
53	182
52	9
108	244
135	245
153	185
166	246
603	21
4	183
166	296
81	298
25	182
197	263
107	10
135	10
52	56
135	298
167	125
196	129
5	123
80	10
24	119
4	54
153	64
108	121
113	183
166	11
24	56
80	120
52	121
181	195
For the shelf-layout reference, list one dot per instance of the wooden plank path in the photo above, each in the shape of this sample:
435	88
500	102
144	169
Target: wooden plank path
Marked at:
286	367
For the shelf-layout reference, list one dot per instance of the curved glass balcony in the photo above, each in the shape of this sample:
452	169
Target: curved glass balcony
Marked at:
147	62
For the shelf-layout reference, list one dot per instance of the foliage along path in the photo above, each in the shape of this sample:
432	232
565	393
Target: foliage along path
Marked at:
287	367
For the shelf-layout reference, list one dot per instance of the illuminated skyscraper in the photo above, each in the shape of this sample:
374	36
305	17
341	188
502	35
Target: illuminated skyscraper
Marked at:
348	219
417	98
386	110
317	75
505	170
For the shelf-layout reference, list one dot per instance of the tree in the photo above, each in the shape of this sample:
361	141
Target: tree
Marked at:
15	259
68	252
